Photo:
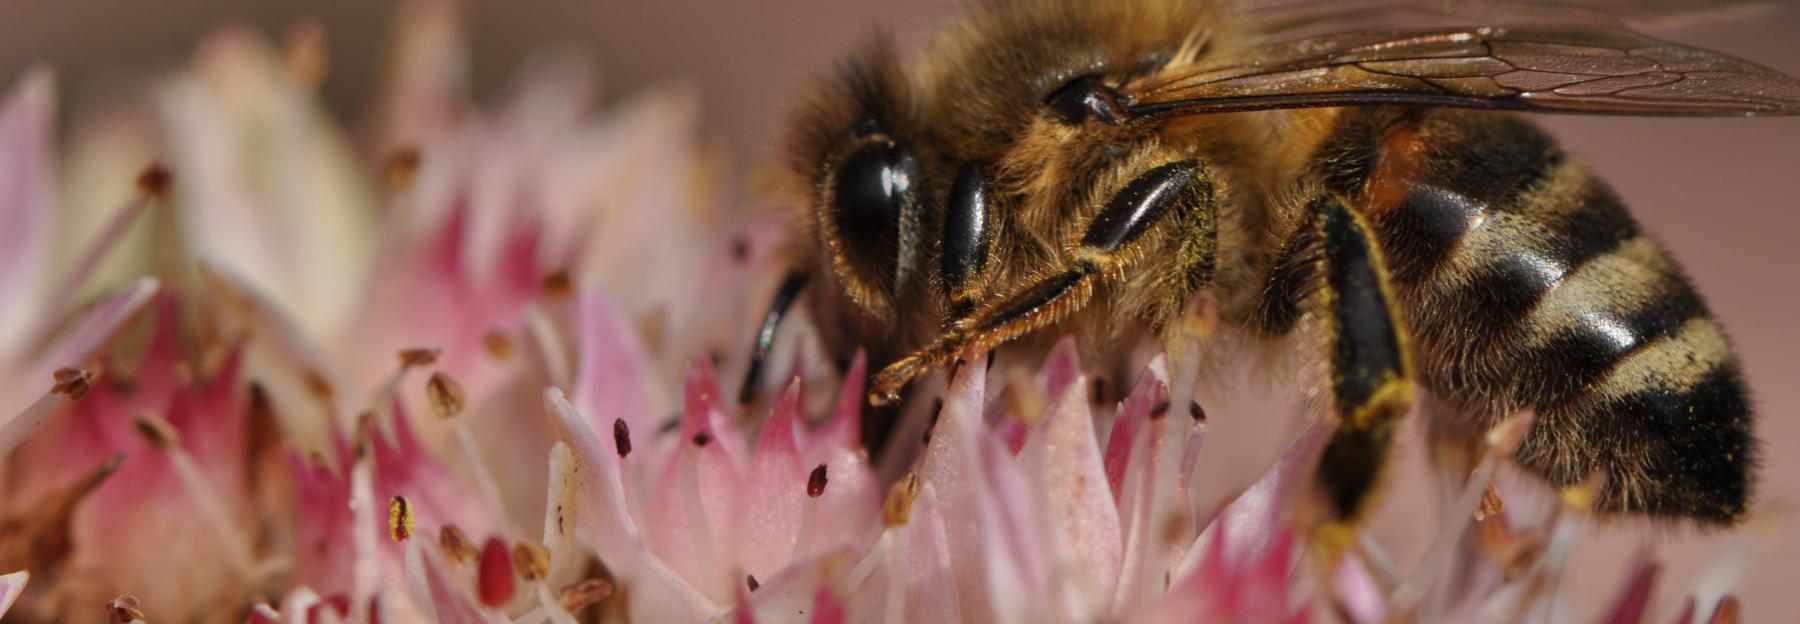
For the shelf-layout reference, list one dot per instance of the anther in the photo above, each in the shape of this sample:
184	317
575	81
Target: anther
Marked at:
456	545
621	437
532	561
740	249
419	356
1490	506
124	609
896	510
73	383
1196	412
155	181
158	432
400	519
446	396
750	581
498	344
1159	410
702	439
577	596
558	284
402	167
815	483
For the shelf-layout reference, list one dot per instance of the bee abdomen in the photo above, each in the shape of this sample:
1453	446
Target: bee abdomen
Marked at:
1528	286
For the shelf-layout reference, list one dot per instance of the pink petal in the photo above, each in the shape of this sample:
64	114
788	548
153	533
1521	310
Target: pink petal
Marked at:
1064	458
449	601
429	77
267	181
1151	390
951	466
843	428
1257	517
657	593
11	585
404	467
27	128
99	323
616	378
1633	602
775	494
1061	368
828	608
697	497
1361	596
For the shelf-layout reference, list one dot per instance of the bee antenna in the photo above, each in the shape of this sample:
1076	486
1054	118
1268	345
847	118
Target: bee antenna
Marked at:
765	335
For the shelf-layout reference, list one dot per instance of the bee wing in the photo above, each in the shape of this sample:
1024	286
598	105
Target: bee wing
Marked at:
1284	21
1592	67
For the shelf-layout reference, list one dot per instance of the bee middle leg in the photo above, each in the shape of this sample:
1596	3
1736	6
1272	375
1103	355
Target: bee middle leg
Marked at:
1181	190
1333	267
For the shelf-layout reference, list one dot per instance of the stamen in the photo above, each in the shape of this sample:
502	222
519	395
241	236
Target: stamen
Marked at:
494	581
456	545
71	384
622	437
815	483
896	509
550	344
809	517
448	401
558	284
1490	506
531	560
152	186
895	611
1438	557
124	609
402	167
699	530
579	595
446	396
419	356
400	519
497	344
365	570
164	438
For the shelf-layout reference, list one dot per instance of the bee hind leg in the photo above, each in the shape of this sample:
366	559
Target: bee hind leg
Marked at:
1370	376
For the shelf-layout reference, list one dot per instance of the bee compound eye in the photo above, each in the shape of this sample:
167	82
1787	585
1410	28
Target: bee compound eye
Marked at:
872	204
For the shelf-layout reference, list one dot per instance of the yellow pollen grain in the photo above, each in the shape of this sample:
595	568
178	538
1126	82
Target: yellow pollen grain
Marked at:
400	519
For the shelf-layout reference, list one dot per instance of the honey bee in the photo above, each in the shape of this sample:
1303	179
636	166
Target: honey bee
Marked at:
1054	167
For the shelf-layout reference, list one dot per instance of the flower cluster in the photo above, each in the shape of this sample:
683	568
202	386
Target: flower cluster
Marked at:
253	370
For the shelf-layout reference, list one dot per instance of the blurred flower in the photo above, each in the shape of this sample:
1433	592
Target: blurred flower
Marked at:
282	380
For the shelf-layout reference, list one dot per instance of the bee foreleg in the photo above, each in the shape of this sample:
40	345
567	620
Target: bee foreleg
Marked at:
1102	252
1369	371
765	335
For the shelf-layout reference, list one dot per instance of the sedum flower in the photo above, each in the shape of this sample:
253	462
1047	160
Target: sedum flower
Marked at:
461	369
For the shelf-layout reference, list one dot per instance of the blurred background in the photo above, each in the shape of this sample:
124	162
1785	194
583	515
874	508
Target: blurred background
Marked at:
1723	194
